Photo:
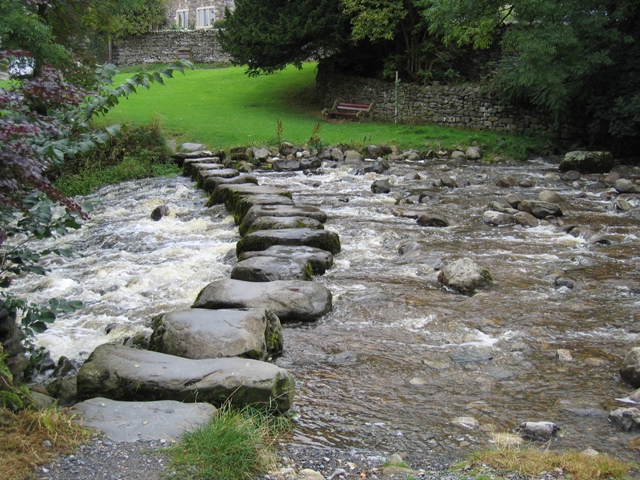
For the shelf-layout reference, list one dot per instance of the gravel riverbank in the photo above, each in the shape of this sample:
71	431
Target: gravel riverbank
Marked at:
102	459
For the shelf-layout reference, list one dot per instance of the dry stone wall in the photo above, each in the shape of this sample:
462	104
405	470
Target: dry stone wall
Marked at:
445	105
199	46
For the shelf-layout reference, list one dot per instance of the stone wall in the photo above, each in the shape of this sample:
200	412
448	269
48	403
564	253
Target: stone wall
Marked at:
199	46
445	105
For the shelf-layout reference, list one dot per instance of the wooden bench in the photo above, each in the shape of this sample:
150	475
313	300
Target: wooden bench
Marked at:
361	111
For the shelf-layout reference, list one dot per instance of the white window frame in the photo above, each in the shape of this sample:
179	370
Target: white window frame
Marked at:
182	18
205	16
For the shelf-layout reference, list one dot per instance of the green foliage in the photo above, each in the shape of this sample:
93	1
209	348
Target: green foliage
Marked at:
235	445
562	56
268	35
138	152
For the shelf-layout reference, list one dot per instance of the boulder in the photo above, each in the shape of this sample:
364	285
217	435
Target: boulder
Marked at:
159	212
202	333
279	211
381	186
465	276
630	370
526	219
287	148
337	155
458	155
122	373
134	421
549	196
211	183
473	153
540	431
263	239
268	269
506	181
320	260
290	300
513	200
587	162
622	185
352	156
261	154
286	165
279	223
625	419
492	217
545	209
192	147
432	220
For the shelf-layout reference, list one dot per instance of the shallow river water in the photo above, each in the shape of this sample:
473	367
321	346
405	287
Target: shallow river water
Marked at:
399	358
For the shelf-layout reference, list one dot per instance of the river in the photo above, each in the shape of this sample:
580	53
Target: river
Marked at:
399	358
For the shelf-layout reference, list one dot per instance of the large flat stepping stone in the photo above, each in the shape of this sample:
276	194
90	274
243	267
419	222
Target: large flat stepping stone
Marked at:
240	205
133	421
193	165
202	333
182	157
268	269
211	183
196	168
123	373
220	172
263	239
279	211
290	300
320	260
225	193
279	223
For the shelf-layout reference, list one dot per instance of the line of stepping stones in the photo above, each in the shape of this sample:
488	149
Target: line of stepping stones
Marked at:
216	351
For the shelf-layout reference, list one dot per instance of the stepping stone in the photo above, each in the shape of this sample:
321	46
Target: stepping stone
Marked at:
263	239
225	193
188	166
219	172
279	211
290	300
202	333
240	205
196	168
268	269
181	157
279	223
123	373
133	421
320	260
211	183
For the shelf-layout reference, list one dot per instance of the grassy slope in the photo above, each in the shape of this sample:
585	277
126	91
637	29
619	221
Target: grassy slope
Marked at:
224	108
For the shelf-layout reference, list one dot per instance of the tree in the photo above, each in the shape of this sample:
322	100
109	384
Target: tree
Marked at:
268	35
556	54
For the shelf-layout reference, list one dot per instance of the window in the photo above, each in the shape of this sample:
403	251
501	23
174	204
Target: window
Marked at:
205	17
182	18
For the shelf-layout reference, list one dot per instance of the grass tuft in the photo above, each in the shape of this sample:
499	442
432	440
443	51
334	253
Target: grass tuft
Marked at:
530	462
24	437
235	445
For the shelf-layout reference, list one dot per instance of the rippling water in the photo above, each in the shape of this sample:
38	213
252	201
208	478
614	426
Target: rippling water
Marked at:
398	358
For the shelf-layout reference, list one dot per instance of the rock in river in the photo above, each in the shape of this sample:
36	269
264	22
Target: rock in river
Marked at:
122	373
202	333
465	276
263	239
290	300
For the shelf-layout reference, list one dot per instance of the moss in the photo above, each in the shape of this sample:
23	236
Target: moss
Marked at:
308	271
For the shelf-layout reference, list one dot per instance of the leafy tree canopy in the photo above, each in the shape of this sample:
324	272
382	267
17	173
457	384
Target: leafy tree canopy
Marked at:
268	35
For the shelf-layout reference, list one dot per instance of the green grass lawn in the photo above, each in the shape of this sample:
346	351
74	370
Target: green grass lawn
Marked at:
225	108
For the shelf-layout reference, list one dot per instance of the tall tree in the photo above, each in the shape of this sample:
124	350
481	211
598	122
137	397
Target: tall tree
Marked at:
555	55
268	35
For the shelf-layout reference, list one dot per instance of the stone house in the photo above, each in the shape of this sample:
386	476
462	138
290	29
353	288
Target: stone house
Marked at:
196	14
